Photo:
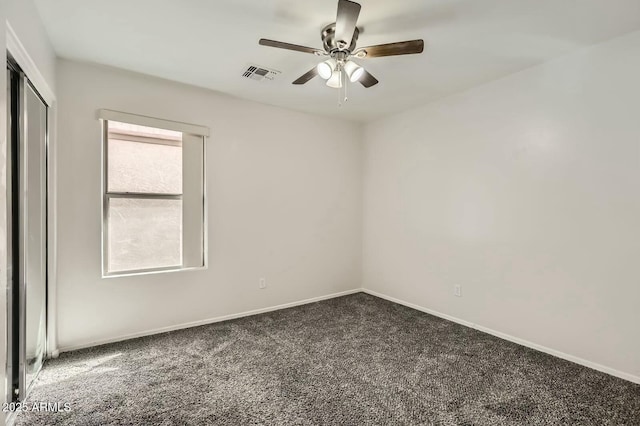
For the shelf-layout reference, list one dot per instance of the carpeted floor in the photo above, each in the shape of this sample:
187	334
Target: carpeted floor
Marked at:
354	360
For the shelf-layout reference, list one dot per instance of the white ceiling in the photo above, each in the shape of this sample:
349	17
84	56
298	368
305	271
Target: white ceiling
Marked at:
209	43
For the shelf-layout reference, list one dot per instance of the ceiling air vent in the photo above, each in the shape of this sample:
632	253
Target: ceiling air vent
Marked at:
257	73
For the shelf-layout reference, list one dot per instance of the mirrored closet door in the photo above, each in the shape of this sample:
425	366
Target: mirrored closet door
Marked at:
27	209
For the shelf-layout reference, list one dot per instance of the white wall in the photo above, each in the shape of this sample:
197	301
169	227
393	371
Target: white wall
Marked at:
526	192
284	200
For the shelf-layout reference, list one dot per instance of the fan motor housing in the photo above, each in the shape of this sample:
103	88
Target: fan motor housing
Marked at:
329	41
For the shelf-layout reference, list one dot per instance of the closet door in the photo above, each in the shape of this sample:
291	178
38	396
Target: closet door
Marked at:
33	232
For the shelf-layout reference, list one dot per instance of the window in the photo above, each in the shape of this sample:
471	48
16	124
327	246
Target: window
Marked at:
153	198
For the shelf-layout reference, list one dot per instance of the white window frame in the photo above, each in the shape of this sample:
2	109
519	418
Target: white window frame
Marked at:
109	115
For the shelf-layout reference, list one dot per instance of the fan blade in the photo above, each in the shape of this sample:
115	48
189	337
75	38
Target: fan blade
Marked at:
367	80
307	76
289	46
391	49
348	12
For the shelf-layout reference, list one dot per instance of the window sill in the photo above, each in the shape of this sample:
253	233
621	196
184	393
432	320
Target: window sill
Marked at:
151	271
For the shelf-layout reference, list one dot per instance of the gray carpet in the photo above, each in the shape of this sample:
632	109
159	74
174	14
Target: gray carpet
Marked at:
354	360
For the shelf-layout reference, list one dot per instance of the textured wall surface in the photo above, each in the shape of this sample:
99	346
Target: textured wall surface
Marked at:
283	198
526	193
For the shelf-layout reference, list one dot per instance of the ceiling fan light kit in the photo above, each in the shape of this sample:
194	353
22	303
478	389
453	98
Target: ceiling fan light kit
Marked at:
326	68
339	42
353	70
335	81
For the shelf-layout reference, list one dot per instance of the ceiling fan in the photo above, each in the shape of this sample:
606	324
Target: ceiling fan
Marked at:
339	42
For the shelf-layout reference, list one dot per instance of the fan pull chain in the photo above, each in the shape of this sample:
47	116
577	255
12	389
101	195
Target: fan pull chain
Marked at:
340	87
346	83
339	91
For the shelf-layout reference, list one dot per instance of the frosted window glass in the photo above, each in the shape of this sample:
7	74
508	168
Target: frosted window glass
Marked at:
144	167
144	233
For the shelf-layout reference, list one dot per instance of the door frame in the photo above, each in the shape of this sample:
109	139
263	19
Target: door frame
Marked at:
17	50
18	169
21	57
14	96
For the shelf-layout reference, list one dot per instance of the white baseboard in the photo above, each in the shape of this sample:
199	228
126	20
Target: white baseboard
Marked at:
517	340
205	321
522	342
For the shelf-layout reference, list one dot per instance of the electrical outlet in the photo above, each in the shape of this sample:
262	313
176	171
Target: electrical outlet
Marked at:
262	283
457	290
